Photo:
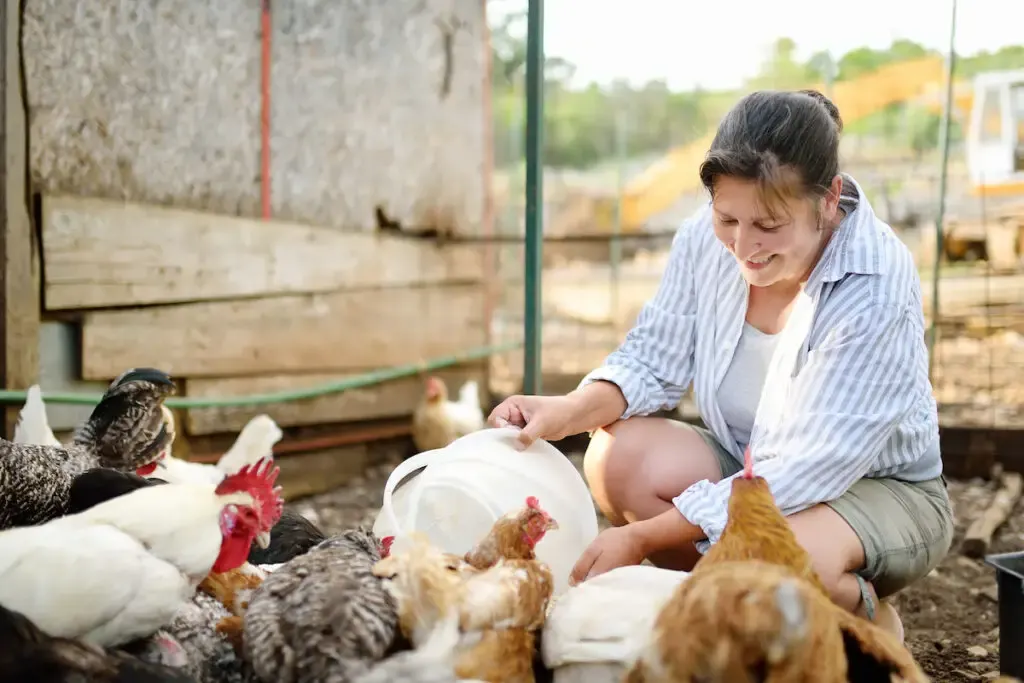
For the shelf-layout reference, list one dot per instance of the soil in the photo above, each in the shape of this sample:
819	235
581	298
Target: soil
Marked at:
950	616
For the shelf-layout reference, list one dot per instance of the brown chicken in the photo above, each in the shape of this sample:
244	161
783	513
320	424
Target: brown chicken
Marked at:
513	537
757	563
757	530
500	608
747	621
233	589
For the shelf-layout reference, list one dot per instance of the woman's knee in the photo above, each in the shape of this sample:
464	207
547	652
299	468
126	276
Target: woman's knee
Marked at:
635	467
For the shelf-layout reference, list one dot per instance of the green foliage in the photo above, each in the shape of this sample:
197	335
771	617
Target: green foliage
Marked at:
587	126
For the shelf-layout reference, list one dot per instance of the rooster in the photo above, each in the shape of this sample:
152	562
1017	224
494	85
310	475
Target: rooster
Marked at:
254	442
436	421
125	431
33	427
28	655
717	601
322	616
136	557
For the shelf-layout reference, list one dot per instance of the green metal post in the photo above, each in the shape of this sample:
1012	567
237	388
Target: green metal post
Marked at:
947	114
534	195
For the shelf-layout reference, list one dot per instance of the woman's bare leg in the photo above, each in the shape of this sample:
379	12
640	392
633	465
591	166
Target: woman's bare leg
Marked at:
636	467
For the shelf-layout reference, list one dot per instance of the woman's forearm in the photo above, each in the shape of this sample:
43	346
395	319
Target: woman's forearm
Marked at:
666	531
598	404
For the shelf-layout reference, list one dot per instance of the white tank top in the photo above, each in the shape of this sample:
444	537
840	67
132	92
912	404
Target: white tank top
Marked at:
740	391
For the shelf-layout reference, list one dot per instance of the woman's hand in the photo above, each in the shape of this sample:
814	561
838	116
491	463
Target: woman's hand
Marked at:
538	417
613	548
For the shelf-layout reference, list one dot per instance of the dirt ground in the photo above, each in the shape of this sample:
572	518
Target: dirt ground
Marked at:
951	616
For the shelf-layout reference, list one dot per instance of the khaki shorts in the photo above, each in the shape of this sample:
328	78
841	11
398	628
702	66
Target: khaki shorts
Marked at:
906	527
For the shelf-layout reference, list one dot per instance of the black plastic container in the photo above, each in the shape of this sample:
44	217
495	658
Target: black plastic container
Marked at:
1010	582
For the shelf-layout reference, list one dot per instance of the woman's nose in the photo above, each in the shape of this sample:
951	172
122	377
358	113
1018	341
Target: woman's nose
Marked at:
744	244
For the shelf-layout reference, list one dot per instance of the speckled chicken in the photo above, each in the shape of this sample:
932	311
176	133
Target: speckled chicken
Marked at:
322	616
27	655
211	658
125	431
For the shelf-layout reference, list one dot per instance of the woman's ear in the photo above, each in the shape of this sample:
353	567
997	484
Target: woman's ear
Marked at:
830	202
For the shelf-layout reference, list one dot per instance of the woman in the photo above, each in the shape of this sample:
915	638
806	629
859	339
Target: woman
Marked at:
796	313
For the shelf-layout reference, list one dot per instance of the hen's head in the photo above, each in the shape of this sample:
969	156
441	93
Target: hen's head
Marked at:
535	522
128	428
436	390
250	517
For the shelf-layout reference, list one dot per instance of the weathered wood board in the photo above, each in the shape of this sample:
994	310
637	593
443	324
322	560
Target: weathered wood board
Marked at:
391	399
19	255
337	332
102	253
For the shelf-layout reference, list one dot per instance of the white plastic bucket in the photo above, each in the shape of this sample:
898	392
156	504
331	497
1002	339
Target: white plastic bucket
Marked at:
463	488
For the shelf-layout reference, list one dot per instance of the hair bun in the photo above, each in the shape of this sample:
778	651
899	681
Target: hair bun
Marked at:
832	109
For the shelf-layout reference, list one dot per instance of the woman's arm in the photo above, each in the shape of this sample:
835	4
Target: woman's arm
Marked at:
654	365
865	377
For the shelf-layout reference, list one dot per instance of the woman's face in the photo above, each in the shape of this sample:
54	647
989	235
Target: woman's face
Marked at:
771	251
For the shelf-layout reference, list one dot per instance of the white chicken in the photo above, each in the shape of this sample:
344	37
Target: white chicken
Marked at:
255	441
437	421
121	569
33	426
595	630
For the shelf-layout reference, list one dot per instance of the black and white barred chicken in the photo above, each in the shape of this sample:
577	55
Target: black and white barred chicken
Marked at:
322	616
126	431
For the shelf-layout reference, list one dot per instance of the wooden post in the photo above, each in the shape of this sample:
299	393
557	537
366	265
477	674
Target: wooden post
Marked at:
19	269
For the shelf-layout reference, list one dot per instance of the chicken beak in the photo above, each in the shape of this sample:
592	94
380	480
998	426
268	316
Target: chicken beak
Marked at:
263	539
552	525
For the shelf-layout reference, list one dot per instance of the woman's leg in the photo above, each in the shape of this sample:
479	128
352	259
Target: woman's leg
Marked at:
889	532
636	467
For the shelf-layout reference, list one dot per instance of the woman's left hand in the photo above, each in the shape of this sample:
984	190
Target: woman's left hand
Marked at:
614	547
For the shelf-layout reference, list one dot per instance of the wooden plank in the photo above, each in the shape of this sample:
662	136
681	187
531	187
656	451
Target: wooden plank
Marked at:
338	332
101	253
391	399
18	260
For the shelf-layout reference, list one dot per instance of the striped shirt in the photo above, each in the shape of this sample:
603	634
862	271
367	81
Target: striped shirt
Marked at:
847	393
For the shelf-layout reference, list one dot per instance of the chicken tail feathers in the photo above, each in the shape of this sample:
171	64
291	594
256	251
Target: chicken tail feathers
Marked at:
33	427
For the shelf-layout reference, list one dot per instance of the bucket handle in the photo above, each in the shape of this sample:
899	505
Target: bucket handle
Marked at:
404	469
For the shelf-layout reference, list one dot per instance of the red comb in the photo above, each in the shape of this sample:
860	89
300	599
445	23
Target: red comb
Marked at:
258	481
748	464
385	545
533	503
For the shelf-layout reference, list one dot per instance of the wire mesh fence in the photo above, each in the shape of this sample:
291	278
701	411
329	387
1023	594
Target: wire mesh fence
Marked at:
604	257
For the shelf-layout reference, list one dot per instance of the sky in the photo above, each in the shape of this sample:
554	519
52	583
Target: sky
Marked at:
701	43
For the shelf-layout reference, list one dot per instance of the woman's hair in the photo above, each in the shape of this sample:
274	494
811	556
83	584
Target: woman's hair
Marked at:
788	142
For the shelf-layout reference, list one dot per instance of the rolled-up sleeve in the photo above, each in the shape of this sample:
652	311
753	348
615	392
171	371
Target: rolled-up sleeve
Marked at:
654	365
842	407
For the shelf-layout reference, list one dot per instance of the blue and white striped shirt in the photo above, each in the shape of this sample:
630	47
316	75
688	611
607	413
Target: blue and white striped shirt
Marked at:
847	394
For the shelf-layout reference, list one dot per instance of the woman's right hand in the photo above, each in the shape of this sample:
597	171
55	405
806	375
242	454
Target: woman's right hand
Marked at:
538	417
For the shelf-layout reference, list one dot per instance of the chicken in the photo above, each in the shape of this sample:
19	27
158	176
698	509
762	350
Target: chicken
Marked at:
33	427
254	442
136	557
513	536
209	656
746	621
322	616
593	630
500	608
436	421
432	662
125	431
291	536
27	655
757	530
